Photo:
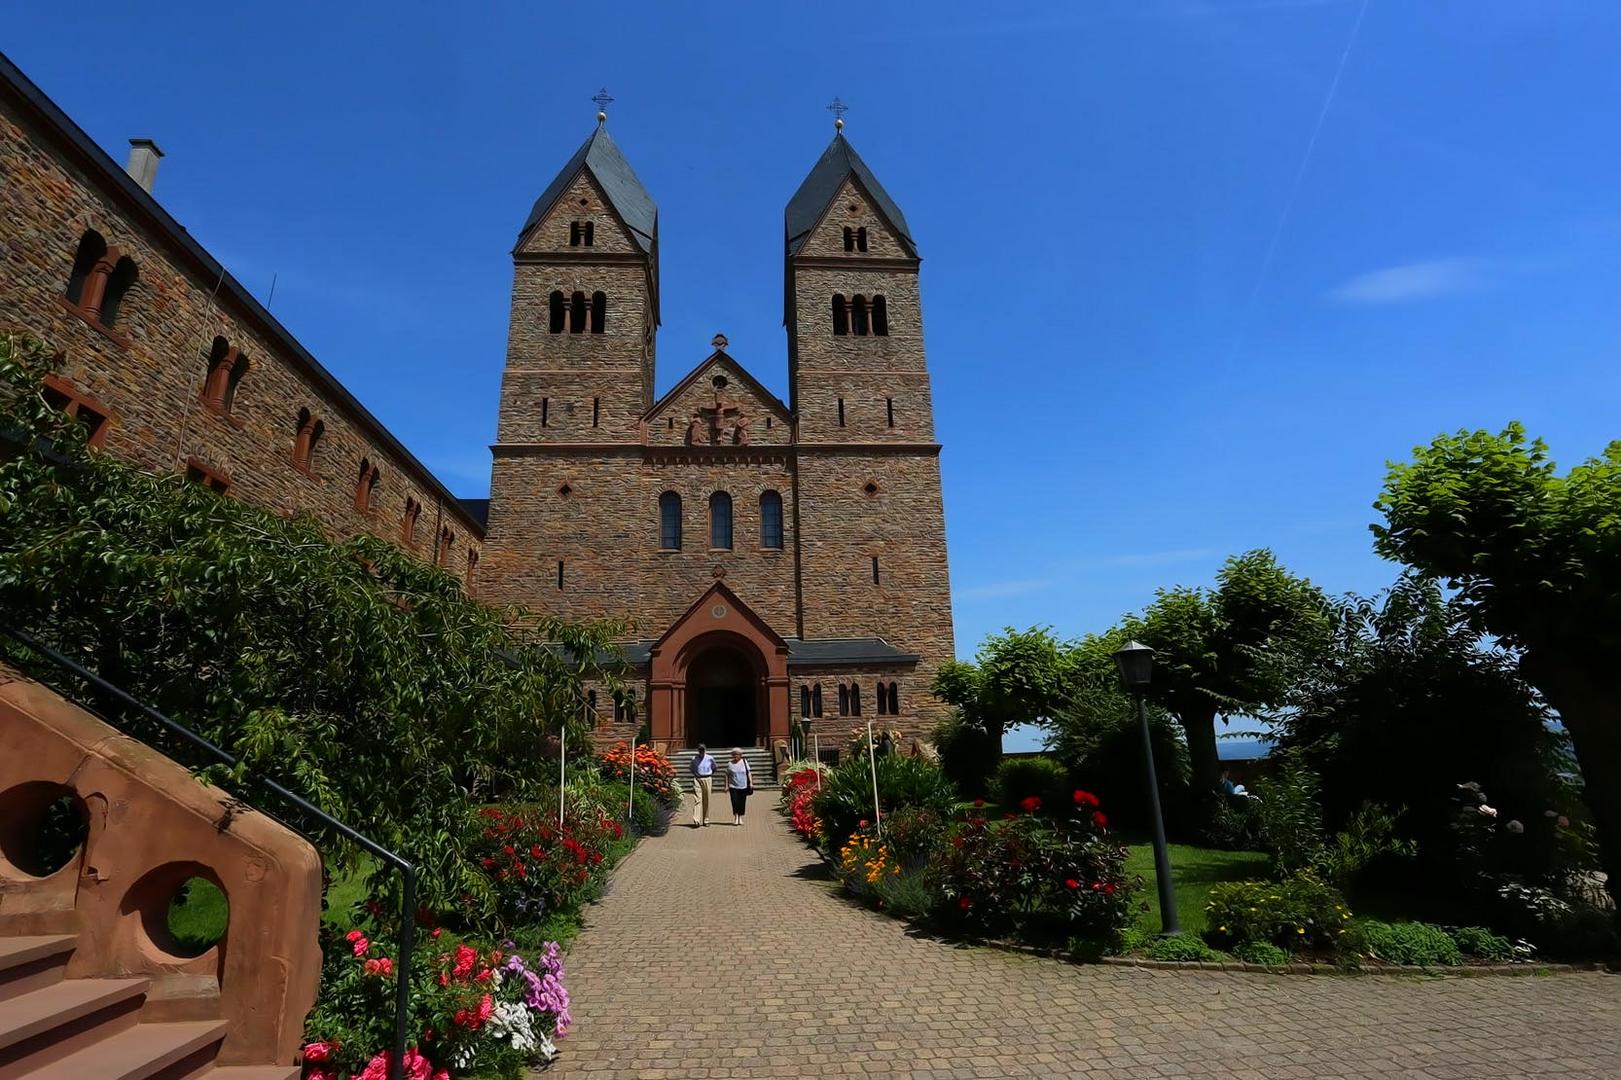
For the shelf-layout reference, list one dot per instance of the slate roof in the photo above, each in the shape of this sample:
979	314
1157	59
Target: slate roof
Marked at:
838	161
618	181
817	652
478	510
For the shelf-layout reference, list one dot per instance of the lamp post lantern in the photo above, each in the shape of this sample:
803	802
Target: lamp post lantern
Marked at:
1135	663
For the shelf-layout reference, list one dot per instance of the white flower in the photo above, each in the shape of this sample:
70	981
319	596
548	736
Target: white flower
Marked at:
1489	811
510	1021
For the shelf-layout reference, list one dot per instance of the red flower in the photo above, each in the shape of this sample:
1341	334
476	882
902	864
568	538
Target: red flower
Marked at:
965	903
863	823
1108	888
1099	819
319	1051
436	932
979	802
1030	804
353	935
444	979
1085	798
466	957
1071	884
535	852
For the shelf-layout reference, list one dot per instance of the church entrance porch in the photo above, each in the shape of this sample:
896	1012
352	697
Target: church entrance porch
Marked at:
722	692
719	676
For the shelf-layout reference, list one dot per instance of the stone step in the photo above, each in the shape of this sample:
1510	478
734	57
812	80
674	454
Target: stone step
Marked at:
32	962
139	1053
41	1027
252	1072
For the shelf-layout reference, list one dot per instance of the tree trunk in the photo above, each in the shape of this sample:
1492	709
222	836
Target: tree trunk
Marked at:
1590	707
1200	729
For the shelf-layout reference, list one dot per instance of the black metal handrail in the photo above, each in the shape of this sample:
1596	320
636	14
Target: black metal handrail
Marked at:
406	869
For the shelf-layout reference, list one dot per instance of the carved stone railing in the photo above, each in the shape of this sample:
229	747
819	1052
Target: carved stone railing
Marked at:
149	827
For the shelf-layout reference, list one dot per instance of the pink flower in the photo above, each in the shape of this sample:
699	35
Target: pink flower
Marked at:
318	1051
486	1007
361	945
353	935
321	1074
863	823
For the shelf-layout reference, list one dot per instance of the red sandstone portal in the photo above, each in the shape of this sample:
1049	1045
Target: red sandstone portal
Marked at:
716	657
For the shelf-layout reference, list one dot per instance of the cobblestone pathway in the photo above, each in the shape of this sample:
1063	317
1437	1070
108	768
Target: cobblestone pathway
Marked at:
723	952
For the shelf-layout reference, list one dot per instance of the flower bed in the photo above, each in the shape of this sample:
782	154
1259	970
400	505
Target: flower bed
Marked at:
654	777
799	788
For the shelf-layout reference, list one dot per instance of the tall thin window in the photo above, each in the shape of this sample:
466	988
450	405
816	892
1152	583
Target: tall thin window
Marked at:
883	701
581	232
305	438
841	412
576	313
591	705
880	316
860	315
408	523
844	700
720	521
816	699
849	239
861	238
804	702
841	315
555	324
770	520
670	521
596	411
889	409
118	283
441	556
545	410
92	248
599	312
365	485
855	699
875	570
590	233
559	575
472	569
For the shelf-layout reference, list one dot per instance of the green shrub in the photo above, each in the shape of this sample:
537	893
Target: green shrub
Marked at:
1018	779
1234	824
906	895
912	833
1179	947
1481	942
1301	912
845	800
1132	939
1291	816
1261	952
1416	943
968	755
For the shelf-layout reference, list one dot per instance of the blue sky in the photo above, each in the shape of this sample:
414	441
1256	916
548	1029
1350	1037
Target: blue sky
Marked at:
1180	299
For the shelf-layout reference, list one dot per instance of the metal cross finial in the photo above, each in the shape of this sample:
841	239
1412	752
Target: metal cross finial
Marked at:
838	109
603	101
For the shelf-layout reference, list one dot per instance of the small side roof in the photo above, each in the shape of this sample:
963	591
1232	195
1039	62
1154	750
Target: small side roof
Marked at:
618	182
838	161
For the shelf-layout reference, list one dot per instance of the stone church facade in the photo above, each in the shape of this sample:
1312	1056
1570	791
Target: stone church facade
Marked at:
778	560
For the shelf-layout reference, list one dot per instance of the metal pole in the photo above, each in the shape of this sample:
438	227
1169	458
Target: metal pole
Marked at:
1162	854
816	751
872	763
562	774
630	807
402	988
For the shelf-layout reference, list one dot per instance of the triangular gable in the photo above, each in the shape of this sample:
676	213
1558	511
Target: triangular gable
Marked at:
549	231
720	609
720	357
816	194
620	187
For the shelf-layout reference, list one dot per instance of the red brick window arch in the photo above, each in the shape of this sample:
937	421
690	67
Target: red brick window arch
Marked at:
447	540
472	569
408	524
100	277
306	437
366	486
226	366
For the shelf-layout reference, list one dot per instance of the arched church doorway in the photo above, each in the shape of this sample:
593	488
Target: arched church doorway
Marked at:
723	698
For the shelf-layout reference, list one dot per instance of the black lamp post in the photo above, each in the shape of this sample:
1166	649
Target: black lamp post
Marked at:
1136	664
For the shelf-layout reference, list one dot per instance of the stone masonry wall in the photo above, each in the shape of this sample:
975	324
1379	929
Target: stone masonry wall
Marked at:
148	369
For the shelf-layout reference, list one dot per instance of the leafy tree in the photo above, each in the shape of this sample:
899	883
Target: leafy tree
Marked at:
1408	702
1213	649
349	671
1535	558
1017	677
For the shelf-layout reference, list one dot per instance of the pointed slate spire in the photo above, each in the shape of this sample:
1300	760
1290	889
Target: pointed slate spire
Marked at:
618	182
838	161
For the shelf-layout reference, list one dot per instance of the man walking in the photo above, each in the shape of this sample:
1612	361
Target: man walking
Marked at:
703	769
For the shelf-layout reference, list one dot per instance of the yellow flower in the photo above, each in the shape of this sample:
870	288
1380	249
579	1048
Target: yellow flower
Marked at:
1300	929
1224	929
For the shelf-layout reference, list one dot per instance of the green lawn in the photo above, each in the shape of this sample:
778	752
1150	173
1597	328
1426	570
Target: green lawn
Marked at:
1195	870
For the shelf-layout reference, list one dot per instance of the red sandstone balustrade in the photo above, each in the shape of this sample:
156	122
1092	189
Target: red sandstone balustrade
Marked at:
151	827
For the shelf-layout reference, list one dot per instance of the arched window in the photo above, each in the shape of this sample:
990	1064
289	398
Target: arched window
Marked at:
720	520
305	438
861	324
92	249
849	239
447	540
816	699
591	705
841	315
408	524
599	312
844	700
581	232
365	485
770	520
670	521
880	316
855	699
804	702
894	700
118	283
861	238
472	570
883	701
555	324
576	313
226	366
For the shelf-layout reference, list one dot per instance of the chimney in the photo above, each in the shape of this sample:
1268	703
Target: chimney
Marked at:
143	161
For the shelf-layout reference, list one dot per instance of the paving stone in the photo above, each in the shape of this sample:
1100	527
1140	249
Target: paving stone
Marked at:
747	962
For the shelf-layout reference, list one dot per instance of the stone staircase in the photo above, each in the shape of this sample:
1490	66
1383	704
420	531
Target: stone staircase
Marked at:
56	1028
758	757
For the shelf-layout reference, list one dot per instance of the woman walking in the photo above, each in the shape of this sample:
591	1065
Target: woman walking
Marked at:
739	784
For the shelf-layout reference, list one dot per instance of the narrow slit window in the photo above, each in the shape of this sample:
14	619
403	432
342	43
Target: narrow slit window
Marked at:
816	699
849	239
575	234
883	701
861	238
860	316
841	412
590	234
804	702
875	570
855	699
545	410
670	521
596	411
844	700
408	523
559	575
889	410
